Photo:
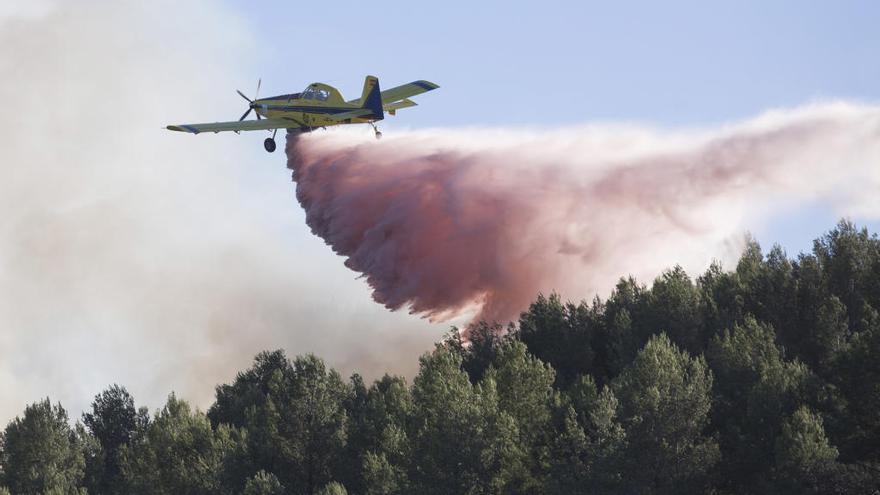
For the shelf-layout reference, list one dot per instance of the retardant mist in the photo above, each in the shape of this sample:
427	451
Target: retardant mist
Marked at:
479	221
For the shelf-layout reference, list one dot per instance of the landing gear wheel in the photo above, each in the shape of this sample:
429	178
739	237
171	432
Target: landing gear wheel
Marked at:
378	135
269	144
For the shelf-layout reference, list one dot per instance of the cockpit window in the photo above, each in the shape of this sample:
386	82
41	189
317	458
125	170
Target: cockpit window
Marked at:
316	94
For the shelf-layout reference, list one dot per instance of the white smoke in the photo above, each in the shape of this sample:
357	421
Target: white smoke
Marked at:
158	260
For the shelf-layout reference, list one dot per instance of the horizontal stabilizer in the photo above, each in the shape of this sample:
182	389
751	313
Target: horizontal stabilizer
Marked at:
392	108
405	91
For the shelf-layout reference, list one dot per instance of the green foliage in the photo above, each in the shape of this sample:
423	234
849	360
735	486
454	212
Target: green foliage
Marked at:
754	390
95	474
525	389
571	466
311	427
850	258
763	379
664	406
586	450
382	438
740	355
676	309
857	375
525	392
40	453
333	488
179	453
803	454
830	333
381	476
113	422
803	445
295	417
251	388
477	354
461	442
625	328
559	334
263	483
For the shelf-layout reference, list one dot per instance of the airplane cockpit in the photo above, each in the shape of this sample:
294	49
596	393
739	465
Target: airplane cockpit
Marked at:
315	92
318	94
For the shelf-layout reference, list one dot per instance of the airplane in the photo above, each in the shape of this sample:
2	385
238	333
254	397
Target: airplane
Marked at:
319	105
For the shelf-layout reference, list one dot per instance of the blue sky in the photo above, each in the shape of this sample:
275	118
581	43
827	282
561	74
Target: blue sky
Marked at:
661	62
671	63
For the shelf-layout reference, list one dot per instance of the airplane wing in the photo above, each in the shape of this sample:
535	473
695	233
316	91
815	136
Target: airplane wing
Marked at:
407	90
245	125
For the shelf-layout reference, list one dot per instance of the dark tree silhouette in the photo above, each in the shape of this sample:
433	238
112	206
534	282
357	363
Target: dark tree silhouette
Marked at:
760	379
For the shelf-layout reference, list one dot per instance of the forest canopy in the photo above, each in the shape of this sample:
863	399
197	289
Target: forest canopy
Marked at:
760	379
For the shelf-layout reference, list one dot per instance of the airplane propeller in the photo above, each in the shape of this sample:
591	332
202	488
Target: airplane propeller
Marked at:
251	105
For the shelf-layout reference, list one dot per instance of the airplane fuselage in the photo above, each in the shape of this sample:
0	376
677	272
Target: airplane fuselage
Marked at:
311	108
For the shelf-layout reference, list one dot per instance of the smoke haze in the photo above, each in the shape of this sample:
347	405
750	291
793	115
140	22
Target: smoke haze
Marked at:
157	260
479	221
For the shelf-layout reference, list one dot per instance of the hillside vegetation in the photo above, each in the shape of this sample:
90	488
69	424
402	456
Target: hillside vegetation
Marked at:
763	379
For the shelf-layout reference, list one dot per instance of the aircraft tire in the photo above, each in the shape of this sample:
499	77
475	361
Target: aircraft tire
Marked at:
269	144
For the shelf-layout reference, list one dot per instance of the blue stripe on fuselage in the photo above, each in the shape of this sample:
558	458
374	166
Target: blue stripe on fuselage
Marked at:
293	108
291	96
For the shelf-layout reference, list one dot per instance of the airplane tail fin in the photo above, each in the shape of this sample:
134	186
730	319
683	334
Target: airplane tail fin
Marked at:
371	98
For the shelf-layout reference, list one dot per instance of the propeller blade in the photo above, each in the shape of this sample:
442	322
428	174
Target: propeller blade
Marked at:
258	116
243	96
245	114
257	94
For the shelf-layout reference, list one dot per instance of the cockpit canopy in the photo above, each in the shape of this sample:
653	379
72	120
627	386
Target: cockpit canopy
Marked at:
315	93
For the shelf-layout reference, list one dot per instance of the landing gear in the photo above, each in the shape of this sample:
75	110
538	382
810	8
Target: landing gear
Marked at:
376	130
269	143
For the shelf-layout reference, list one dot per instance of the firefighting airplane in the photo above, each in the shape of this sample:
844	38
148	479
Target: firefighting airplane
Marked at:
320	105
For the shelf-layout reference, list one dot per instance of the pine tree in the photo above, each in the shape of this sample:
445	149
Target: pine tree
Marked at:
40	453
664	402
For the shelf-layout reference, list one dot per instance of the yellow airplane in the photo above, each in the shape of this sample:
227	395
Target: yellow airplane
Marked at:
320	105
